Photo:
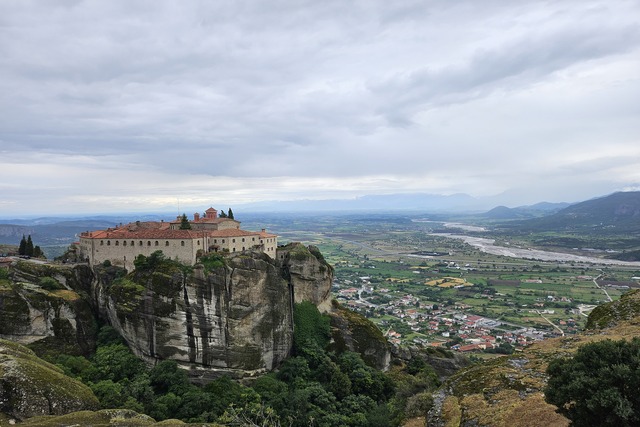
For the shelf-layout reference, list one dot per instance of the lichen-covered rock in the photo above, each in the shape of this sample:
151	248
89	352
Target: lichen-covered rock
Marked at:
235	319
38	303
310	275
29	386
353	332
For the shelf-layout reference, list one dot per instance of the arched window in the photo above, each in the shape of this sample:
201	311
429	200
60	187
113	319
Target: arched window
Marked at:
222	240
166	243
243	239
108	242
234	240
117	243
124	243
182	243
157	243
101	242
140	244
134	243
148	243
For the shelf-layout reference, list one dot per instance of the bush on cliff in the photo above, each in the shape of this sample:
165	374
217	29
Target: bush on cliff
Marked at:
599	385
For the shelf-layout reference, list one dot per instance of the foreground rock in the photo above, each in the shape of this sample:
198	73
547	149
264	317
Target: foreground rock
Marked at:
29	386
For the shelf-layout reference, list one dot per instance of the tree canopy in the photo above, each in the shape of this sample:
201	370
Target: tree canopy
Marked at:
599	385
184	223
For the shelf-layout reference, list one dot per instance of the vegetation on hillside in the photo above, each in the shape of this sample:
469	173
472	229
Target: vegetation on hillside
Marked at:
312	387
599	385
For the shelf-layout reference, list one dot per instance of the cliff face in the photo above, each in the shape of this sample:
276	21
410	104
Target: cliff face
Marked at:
234	318
40	303
231	314
310	275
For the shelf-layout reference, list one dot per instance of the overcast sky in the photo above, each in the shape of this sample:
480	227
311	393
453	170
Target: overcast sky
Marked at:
132	105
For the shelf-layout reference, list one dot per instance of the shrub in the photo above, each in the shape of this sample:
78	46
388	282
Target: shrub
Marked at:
599	385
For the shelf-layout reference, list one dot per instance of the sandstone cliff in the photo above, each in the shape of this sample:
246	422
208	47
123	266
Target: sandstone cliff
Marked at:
43	303
308	273
234	318
230	314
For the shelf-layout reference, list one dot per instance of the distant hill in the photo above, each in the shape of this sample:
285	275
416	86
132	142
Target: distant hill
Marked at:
608	215
523	212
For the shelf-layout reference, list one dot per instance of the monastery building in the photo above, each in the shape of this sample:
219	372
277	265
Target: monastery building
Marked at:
208	233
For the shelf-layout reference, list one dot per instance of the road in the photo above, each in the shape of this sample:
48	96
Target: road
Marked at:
550	322
595	281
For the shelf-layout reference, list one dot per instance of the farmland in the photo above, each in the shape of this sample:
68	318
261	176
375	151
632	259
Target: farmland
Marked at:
424	288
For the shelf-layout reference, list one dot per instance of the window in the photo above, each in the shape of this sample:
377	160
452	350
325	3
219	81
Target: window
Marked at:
222	240
182	243
157	243
134	243
140	243
234	240
148	243
234	249
108	242
253	239
117	243
166	243
101	242
243	239
124	243
243	248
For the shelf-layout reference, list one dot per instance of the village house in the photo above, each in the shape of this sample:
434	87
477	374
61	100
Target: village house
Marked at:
208	233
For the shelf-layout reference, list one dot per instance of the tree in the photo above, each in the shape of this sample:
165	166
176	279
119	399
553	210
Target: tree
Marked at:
599	385
184	223
22	250
37	252
230	214
222	214
29	248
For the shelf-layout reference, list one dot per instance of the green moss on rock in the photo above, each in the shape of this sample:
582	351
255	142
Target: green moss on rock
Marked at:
29	386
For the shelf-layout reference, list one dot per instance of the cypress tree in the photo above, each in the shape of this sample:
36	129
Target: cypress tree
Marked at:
29	247
37	252
23	246
230	214
222	214
184	223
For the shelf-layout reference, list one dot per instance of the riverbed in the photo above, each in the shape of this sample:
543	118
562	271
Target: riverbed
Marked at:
489	246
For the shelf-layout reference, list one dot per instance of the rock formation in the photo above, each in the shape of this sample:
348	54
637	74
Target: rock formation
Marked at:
40	303
29	386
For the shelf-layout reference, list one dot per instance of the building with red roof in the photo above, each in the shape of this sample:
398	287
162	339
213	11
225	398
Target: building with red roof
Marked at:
208	233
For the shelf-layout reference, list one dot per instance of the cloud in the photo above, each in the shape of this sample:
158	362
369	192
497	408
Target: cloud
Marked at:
146	100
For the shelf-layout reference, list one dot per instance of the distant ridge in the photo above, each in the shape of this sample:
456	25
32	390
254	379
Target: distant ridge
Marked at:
615	213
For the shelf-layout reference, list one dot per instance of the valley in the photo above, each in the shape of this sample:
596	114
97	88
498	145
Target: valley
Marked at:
429	288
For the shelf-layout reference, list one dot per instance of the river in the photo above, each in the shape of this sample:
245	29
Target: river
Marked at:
488	246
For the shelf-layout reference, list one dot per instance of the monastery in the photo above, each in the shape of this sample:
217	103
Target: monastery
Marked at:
208	233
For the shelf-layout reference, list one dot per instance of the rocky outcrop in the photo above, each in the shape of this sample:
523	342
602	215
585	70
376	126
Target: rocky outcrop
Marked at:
29	386
353	332
308	273
39	303
234	318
